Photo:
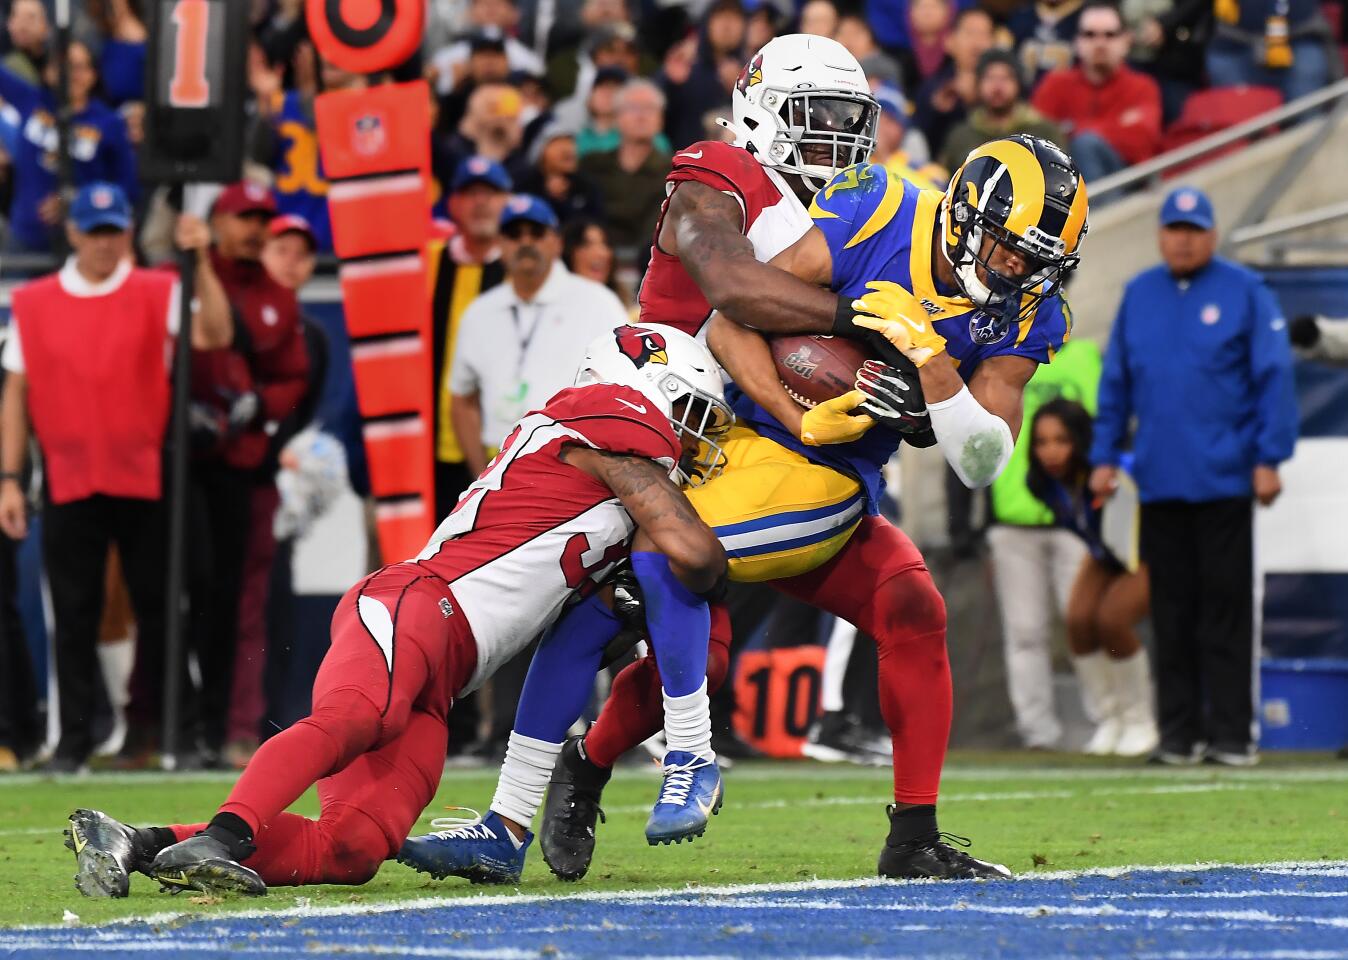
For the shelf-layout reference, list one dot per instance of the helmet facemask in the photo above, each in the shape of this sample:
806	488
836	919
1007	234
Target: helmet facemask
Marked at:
821	132
706	419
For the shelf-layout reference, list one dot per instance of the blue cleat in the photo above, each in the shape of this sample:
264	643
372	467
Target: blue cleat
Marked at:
690	795
480	850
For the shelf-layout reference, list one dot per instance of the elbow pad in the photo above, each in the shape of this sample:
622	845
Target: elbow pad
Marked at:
976	444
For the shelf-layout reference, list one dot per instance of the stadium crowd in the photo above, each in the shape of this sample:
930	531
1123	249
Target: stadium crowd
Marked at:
554	125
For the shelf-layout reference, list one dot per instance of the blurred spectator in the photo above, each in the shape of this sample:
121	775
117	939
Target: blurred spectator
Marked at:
599	129
1169	43
587	252
1320	338
765	22
490	128
289	258
286	138
121	57
462	268
580	47
29	31
1108	600
1199	359
699	74
554	165
1001	110
1109	111
855	34
819	17
928	26
519	344
631	178
98	147
1044	34
487	63
487	18
241	394
900	146
945	99
102	474
1285	44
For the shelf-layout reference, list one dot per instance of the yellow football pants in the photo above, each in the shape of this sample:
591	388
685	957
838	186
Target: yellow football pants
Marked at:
776	513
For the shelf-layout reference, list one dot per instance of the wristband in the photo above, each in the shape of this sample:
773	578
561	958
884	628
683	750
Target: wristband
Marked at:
7	475
842	320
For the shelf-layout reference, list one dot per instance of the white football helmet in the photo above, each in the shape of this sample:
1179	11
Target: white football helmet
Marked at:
802	105
677	374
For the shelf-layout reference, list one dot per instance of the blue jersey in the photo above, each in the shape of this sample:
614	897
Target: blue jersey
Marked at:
301	187
99	150
881	227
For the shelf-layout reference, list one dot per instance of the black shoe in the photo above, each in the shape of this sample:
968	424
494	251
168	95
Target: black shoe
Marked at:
203	863
929	857
571	811
106	853
65	764
838	737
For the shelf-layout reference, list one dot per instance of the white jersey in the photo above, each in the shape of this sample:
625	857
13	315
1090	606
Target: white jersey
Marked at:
533	532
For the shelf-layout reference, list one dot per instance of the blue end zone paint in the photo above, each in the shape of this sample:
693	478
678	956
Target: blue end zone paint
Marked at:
1296	913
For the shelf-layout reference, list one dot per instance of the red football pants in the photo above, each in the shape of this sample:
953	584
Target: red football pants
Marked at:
374	743
880	584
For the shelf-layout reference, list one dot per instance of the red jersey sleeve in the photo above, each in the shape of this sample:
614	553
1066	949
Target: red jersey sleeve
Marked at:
726	168
617	419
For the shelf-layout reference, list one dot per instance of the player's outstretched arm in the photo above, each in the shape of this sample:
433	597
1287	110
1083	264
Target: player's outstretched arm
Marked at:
702	228
666	521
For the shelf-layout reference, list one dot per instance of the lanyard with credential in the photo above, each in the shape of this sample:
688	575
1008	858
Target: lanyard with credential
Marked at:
525	339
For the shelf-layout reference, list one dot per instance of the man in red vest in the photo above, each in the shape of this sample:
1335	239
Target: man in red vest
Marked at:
88	361
240	393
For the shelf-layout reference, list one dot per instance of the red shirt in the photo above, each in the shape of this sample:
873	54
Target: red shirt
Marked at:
1125	110
268	357
98	383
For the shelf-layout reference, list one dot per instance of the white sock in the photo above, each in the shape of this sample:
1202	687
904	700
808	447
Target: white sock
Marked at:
524	778
688	722
836	655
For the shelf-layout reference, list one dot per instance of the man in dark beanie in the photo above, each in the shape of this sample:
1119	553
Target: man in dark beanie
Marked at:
1000	110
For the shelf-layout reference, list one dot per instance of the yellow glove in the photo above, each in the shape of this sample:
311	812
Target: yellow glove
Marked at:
832	421
901	319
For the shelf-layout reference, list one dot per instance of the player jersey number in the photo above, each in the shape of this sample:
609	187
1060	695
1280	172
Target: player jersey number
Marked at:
189	87
576	571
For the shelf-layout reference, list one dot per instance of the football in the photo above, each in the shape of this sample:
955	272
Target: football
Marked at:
814	369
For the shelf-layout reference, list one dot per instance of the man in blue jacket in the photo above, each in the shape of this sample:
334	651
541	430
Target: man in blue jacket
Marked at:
1199	356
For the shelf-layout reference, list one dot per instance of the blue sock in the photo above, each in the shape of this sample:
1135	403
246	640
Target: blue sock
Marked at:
679	623
561	676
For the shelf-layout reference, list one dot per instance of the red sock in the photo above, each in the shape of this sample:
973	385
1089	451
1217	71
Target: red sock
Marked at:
915	691
635	710
342	727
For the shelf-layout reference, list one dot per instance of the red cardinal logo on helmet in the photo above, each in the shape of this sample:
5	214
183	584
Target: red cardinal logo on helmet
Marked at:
642	346
751	75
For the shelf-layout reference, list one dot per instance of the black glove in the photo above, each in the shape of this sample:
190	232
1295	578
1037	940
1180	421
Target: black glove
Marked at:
894	398
628	605
1304	331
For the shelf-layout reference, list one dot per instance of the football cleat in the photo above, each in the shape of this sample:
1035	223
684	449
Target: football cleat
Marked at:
571	811
838	737
106	853
930	857
480	850
203	863
690	795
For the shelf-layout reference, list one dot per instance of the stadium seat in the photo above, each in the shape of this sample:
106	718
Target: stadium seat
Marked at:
1209	111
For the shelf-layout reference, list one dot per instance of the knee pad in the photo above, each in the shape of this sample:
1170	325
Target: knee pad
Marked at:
908	606
350	720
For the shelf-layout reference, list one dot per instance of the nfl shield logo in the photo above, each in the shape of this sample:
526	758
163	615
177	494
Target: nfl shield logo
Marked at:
1210	314
368	136
987	328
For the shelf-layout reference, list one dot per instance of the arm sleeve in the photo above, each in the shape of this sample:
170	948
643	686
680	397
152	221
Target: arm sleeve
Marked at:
1271	372
1111	418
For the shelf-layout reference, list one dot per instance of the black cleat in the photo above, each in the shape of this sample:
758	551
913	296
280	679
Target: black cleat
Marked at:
571	811
930	857
839	737
203	863
106	853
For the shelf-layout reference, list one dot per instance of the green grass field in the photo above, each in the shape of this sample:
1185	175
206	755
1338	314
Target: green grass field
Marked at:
781	822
